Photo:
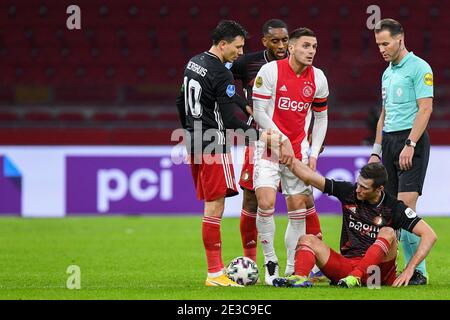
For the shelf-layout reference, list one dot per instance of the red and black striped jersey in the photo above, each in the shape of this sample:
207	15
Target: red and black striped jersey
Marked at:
246	68
362	220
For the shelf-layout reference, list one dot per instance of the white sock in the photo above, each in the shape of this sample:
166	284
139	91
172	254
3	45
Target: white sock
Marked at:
215	274
315	269
296	228
265	225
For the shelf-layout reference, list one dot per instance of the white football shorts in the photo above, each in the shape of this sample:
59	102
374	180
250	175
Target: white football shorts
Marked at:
269	173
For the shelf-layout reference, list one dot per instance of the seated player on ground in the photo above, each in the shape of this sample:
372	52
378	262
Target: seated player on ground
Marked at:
371	218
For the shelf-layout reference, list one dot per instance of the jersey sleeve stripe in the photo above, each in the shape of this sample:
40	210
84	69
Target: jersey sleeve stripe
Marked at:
320	100
320	109
260	96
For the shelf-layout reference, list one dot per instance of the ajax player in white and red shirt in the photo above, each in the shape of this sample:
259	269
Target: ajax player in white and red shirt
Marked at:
286	94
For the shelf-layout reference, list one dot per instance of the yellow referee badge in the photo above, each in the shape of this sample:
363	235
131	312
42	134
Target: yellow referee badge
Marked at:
428	79
258	82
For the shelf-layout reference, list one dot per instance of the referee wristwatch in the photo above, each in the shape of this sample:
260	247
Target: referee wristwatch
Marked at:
410	143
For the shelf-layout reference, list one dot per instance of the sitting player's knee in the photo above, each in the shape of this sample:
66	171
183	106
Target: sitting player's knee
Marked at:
388	233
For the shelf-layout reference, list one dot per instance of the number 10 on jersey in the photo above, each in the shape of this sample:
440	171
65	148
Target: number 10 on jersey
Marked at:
192	93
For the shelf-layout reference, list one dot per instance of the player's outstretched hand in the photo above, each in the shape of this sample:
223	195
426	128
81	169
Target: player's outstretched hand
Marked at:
273	142
272	139
312	163
286	153
403	278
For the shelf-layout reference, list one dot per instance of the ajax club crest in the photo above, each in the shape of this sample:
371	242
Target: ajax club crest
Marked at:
308	90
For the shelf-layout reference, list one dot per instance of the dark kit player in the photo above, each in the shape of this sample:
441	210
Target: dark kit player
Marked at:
206	107
371	219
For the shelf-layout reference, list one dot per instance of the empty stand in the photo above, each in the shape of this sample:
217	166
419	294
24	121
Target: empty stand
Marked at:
129	57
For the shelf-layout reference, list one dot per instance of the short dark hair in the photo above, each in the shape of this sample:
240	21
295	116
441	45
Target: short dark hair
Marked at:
228	30
375	171
301	32
273	24
393	26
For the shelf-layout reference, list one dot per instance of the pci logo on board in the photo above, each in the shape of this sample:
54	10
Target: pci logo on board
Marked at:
10	187
121	184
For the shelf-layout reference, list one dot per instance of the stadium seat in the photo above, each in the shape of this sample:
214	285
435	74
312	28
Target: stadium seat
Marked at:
133	53
7	93
71	117
14	37
7	116
167	117
138	117
358	116
334	116
346	136
106	116
142	136
72	94
54	136
38	116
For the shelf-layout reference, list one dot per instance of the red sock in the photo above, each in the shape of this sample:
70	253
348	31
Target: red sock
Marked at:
305	259
313	223
373	257
212	243
249	234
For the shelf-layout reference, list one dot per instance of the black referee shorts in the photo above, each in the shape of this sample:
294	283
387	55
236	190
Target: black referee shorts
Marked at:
410	180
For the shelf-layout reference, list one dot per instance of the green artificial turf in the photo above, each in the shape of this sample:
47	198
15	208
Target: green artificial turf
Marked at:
163	258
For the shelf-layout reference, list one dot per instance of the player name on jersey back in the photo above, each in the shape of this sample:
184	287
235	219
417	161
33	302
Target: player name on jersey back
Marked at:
197	69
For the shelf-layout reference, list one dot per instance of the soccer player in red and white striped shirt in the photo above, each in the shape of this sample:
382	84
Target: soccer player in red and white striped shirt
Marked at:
286	94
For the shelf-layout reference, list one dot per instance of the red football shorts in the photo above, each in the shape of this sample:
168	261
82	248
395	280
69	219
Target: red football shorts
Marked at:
338	267
213	176
246	180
